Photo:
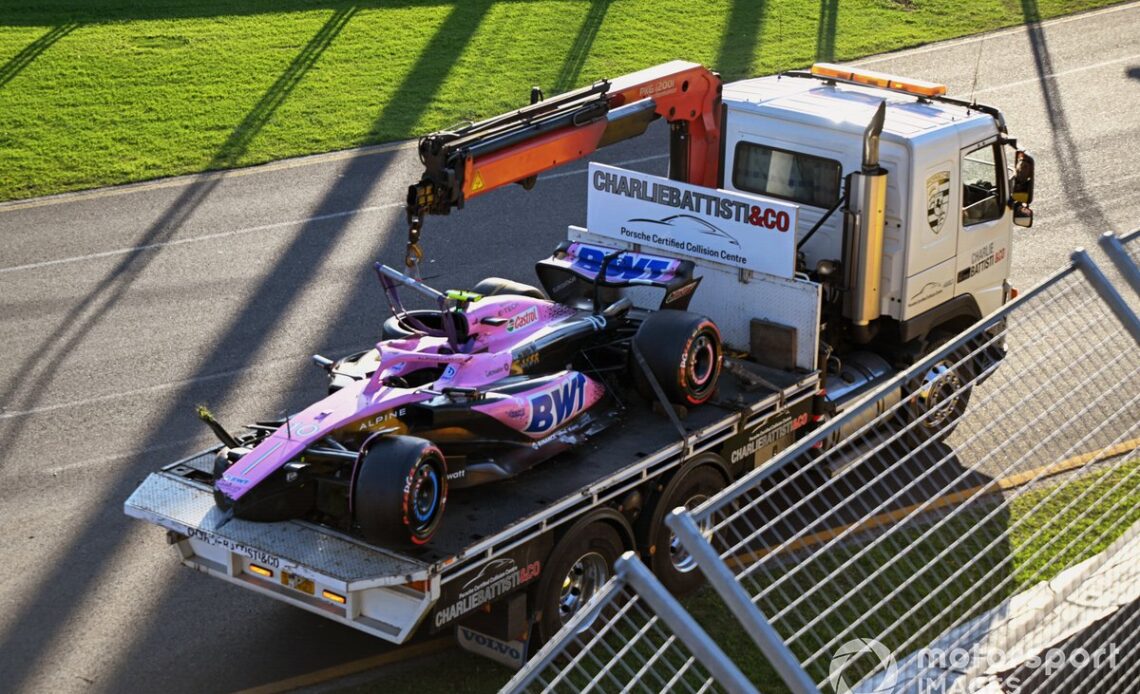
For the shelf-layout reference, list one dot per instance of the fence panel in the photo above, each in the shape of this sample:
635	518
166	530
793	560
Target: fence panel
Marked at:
985	520
923	526
631	637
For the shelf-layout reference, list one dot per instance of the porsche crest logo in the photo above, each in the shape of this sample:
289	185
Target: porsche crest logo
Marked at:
937	200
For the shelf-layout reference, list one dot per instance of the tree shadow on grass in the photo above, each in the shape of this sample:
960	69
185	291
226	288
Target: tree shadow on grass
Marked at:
39	370
825	32
33	50
580	50
738	42
237	345
51	12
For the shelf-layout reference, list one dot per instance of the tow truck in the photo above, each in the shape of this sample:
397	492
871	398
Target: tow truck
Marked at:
844	224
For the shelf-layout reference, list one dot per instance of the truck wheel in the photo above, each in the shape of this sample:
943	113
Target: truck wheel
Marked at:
943	391
580	565
395	329
400	491
669	561
494	286
684	353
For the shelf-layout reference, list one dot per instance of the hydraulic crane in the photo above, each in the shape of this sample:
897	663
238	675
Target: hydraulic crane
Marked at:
515	147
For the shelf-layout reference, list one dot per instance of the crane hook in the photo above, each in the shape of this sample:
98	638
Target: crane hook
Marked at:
414	254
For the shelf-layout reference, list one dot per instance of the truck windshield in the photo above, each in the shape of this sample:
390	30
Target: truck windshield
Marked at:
802	178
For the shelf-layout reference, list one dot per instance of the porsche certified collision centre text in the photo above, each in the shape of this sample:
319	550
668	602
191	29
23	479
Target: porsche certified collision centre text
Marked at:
728	227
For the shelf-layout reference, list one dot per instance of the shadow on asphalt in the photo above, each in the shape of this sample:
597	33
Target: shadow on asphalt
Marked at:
40	368
1065	148
32	631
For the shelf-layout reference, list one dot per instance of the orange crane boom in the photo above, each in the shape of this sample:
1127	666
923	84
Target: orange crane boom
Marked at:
515	147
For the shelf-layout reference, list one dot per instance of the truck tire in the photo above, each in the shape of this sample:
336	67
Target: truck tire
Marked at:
580	564
668	560
399	491
943	391
683	351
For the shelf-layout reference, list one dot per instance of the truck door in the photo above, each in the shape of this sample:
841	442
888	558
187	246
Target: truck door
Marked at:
984	234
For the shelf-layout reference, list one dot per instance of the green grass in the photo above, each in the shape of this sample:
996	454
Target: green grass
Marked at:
110	91
1014	548
1001	553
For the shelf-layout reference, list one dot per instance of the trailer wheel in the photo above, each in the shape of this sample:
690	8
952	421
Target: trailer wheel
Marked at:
683	351
943	391
668	560
581	563
399	491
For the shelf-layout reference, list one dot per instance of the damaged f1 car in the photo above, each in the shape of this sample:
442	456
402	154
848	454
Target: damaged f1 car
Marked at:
488	384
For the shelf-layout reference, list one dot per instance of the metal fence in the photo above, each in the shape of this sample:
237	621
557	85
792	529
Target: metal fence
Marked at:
956	541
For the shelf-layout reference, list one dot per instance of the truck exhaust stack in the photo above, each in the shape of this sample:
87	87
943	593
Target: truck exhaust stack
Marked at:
866	214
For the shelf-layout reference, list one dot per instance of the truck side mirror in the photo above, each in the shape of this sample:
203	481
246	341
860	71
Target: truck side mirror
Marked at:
1023	178
1022	215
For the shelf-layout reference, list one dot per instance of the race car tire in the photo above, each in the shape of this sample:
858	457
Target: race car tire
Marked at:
494	286
683	351
943	391
394	329
668	559
399	491
580	564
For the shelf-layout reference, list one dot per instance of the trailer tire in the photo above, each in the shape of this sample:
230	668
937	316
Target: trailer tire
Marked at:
943	391
683	351
580	564
399	491
672	565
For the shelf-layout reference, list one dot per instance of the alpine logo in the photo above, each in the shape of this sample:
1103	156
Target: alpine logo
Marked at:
551	408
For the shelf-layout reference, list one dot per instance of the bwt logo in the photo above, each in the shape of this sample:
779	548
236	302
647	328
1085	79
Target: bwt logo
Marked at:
625	267
551	408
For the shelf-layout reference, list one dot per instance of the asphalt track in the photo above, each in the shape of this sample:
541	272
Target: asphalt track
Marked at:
122	308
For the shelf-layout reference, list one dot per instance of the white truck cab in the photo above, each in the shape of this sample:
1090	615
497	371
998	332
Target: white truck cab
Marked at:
948	217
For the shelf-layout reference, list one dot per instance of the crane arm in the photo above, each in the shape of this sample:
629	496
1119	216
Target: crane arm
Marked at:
517	146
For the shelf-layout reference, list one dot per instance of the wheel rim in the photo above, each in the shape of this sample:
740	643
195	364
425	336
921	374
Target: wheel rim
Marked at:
580	584
702	361
938	394
679	557
426	495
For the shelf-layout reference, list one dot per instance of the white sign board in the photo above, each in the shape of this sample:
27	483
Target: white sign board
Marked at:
735	229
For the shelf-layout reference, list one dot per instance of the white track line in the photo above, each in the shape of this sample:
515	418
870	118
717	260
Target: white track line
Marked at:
196	239
1055	75
263	227
951	43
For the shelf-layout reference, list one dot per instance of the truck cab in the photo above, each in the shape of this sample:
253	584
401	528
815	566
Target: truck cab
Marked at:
948	215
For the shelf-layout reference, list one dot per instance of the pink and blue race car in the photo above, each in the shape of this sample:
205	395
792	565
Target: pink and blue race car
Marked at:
484	386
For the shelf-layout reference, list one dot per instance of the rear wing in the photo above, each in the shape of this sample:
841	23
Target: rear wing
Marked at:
570	273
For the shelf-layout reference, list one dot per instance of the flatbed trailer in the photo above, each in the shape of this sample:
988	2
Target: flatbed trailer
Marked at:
498	538
843	224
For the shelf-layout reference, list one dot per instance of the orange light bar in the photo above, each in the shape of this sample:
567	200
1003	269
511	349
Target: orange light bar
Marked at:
261	570
421	586
329	595
878	79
